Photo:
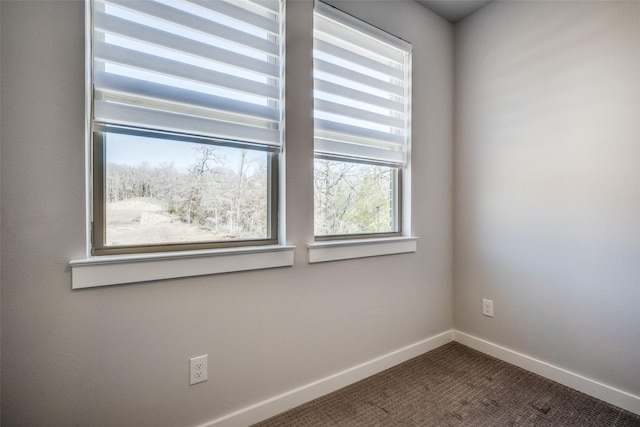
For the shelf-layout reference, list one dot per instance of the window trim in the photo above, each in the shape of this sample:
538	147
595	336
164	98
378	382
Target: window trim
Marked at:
338	250
90	271
125	269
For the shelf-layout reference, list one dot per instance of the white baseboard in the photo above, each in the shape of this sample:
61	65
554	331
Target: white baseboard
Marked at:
578	382
275	405
285	401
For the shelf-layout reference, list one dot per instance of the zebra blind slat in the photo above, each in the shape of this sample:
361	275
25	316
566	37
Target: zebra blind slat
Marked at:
192	66
361	90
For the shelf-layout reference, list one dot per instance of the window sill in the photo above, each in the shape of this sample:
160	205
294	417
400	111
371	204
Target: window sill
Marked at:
121	269
349	249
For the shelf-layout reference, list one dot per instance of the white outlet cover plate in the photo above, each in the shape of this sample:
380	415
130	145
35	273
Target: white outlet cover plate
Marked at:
487	307
198	369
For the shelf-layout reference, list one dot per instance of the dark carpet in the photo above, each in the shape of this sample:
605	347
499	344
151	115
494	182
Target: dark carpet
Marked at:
455	385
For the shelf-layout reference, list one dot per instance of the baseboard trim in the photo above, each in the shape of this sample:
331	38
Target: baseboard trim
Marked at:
578	382
283	402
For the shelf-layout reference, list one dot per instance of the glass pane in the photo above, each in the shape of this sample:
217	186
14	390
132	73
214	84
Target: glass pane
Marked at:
354	198
160	191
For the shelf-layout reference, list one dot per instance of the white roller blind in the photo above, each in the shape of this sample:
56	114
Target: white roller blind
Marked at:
196	67
361	88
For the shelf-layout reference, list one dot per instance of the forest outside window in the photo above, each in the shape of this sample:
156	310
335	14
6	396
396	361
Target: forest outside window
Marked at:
186	124
362	128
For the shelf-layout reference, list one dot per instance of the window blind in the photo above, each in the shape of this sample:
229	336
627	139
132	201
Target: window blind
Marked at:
361	90
195	67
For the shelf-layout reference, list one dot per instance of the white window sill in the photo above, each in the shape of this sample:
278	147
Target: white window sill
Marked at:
349	249
120	269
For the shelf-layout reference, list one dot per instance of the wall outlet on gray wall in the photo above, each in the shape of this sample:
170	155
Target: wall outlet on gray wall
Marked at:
198	371
487	307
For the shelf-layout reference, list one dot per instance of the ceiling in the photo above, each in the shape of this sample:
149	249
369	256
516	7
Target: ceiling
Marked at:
454	10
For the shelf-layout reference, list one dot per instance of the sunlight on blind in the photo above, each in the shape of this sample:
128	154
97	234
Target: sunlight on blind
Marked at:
194	67
361	89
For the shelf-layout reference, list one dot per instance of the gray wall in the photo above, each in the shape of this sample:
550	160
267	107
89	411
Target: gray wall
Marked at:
547	183
119	355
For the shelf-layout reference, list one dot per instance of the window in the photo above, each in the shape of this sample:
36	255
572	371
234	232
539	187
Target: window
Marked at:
362	127
186	124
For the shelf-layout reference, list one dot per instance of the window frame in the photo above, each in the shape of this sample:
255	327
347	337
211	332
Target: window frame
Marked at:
402	175
98	222
398	210
97	134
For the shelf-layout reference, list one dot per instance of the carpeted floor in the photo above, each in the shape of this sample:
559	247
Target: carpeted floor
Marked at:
455	386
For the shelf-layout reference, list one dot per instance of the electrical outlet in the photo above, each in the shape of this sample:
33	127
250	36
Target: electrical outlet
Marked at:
487	307
198	371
